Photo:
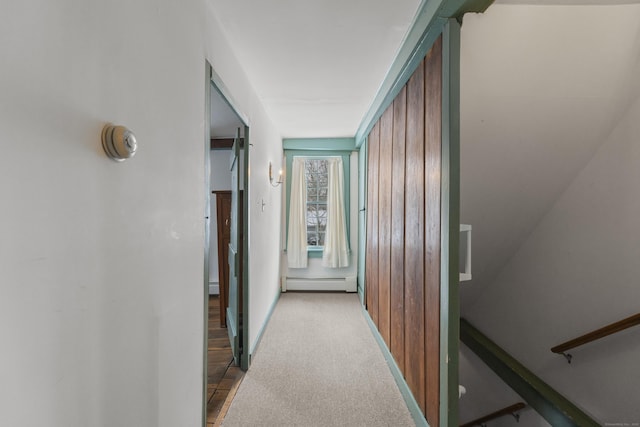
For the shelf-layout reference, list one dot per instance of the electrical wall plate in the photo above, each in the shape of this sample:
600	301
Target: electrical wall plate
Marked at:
119	142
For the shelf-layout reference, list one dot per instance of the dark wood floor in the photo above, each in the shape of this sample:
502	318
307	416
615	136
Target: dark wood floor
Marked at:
223	375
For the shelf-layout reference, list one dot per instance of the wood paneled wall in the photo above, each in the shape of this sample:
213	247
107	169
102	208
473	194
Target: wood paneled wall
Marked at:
403	230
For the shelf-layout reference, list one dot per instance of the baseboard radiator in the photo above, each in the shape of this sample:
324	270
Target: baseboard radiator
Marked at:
346	284
214	288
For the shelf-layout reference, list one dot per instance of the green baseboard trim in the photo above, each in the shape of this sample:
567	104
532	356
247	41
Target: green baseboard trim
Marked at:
412	405
256	343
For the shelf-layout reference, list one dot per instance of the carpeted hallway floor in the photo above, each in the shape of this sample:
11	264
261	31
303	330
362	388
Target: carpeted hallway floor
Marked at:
318	365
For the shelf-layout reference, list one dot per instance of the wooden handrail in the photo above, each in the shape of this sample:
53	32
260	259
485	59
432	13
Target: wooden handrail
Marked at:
597	334
509	410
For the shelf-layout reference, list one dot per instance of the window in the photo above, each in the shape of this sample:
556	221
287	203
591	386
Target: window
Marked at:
316	173
317	180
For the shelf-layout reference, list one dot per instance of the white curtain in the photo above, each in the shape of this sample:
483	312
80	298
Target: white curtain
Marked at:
297	240
336	251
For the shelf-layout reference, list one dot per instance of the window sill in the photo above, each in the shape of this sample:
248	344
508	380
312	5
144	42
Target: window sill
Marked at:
314	252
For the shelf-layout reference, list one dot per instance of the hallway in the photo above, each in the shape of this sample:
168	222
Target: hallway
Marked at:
318	365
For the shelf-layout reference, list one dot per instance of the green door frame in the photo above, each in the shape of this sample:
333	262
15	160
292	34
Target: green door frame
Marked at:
234	321
450	225
214	82
245	357
207	234
363	165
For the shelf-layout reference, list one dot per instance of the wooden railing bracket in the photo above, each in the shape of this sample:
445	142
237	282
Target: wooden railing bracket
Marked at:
509	410
568	357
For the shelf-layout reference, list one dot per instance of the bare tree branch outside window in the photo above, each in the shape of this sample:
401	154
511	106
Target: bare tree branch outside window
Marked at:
317	178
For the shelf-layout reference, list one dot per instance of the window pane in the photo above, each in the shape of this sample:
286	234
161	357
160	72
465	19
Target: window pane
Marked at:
317	179
312	194
321	215
312	238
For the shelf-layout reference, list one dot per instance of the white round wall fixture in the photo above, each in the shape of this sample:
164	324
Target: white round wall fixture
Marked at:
118	142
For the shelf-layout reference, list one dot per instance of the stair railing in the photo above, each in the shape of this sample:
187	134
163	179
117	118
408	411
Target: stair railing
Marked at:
594	335
509	410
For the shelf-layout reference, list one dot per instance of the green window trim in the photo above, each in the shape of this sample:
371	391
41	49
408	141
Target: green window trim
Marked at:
316	252
319	144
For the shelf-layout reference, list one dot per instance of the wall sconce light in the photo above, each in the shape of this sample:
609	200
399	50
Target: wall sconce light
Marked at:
279	181
118	142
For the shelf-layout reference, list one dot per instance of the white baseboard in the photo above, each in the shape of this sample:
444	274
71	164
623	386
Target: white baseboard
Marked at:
214	288
347	284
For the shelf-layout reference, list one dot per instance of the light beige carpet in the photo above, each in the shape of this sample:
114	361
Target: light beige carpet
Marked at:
318	365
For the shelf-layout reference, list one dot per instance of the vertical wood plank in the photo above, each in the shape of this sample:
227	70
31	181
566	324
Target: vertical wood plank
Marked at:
397	228
372	224
384	225
433	165
404	230
414	239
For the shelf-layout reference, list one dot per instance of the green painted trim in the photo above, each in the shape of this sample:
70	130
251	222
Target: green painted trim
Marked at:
427	25
207	230
458	8
399	74
234	309
222	89
550	404
410	401
217	84
214	82
450	225
346	164
245	359
362	219
258	339
315	252
319	144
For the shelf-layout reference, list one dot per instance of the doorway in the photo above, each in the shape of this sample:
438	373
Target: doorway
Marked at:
226	251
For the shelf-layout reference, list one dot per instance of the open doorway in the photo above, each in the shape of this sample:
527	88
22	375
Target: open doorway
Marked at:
226	254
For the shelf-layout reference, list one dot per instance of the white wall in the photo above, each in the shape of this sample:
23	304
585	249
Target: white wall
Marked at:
577	272
264	227
101	263
266	145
